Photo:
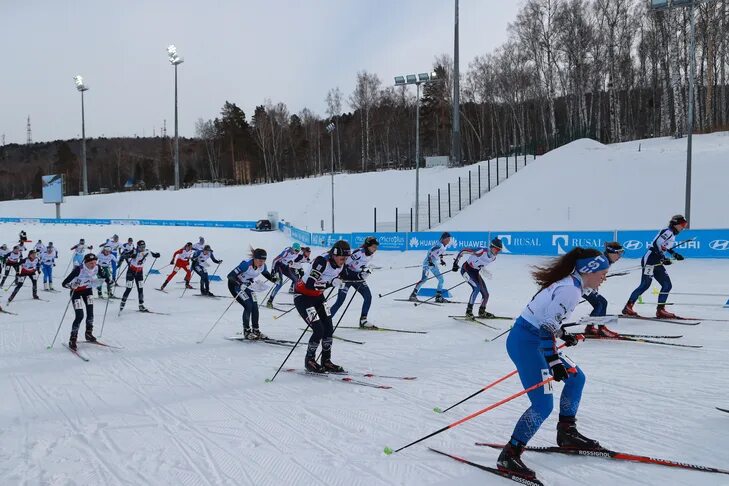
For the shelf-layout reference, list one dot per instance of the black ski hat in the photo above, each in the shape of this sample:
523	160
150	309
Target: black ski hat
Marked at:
260	254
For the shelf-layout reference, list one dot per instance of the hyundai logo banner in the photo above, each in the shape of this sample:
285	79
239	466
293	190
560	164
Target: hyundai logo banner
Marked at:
702	244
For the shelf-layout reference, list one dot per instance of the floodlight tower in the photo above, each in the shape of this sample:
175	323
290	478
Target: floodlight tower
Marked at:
175	60
81	87
330	129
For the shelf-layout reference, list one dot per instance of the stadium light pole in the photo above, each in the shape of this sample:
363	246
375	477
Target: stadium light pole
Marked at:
656	5
330	129
175	60
81	87
417	80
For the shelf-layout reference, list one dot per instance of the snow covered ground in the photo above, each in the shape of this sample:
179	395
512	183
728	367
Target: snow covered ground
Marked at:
582	186
167	411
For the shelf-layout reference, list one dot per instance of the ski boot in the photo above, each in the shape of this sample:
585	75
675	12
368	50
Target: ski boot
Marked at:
327	365
187	285
72	342
662	313
510	461
364	324
50	286
89	336
291	290
568	436
35	297
163	286
269	304
413	296
248	334
257	334
469	311
628	309
141	308
603	331
101	294
311	365
439	298
590	330
209	294
483	314
45	286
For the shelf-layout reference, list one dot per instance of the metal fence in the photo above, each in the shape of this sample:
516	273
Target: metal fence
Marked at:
447	201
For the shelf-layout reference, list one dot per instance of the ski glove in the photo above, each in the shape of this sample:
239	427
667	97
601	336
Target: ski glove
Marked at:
442	262
455	266
556	367
666	261
156	255
366	272
677	256
338	283
569	339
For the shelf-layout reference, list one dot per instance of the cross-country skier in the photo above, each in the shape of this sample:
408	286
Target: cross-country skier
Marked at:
298	266
135	273
181	261
12	260
105	264
654	264
354	274
4	251
240	281
199	265
82	281
613	252
48	261
310	303
471	271
113	243
532	347
430	265
283	266
28	268
200	245
79	250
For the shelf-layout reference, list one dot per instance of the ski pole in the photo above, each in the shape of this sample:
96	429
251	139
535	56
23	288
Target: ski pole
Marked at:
412	284
150	271
271	289
269	380
235	299
103	321
216	269
389	451
433	296
497	337
490	385
120	271
61	323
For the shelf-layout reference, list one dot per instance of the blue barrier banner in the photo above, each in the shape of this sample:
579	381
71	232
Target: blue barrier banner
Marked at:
145	222
388	241
707	243
526	243
466	239
327	240
563	242
422	240
301	235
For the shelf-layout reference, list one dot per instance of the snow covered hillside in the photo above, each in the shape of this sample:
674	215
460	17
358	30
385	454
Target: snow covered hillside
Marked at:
586	185
582	186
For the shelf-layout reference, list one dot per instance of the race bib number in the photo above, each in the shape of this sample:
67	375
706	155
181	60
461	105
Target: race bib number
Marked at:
21	280
130	284
90	299
548	387
77	304
648	270
327	310
311	314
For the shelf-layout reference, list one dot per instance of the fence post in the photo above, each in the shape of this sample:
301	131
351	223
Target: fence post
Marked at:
375	220
497	170
428	210
459	194
449	201
488	174
411	220
396	219
479	180
516	162
470	199
507	166
439	219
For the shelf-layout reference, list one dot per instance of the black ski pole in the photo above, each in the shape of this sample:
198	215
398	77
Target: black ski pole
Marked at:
284	313
61	323
106	307
150	271
235	299
120	271
433	296
340	317
412	284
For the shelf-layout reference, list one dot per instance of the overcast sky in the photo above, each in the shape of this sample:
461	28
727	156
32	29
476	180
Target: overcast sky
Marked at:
243	51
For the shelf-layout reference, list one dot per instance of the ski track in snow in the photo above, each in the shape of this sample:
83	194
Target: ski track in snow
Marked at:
165	410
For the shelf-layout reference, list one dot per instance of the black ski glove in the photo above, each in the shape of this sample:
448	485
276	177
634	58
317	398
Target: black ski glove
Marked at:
556	366
156	255
569	339
455	266
442	262
666	261
678	256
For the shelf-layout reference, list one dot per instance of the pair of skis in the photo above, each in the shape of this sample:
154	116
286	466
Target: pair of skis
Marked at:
385	329
347	377
647	339
602	453
275	342
683	321
82	356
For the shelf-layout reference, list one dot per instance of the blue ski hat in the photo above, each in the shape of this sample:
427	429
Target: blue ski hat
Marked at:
592	264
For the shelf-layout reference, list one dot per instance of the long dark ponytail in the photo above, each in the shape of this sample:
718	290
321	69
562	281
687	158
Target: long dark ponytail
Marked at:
559	268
